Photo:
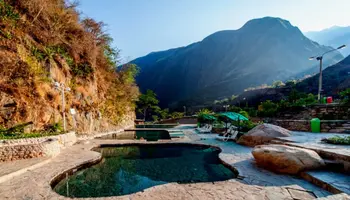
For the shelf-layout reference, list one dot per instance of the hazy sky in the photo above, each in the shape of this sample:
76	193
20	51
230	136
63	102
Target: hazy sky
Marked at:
142	26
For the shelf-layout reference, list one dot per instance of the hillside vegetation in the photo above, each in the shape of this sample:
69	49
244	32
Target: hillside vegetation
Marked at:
43	41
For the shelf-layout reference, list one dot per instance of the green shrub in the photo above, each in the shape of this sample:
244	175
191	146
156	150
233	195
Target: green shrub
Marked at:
82	69
6	34
345	96
244	113
7	12
283	104
155	118
308	100
204	111
338	140
247	126
37	53
27	135
268	109
175	115
234	109
252	112
54	128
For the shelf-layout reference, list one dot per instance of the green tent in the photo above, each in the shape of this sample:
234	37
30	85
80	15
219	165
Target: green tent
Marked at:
229	117
206	118
232	116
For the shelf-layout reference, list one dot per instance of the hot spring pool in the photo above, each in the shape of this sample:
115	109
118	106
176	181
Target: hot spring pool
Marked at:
129	169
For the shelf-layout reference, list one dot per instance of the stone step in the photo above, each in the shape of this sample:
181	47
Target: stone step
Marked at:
331	181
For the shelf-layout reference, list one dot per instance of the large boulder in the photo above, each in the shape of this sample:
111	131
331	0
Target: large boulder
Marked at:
263	134
286	159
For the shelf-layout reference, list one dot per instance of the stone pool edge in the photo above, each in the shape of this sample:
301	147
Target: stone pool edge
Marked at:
88	163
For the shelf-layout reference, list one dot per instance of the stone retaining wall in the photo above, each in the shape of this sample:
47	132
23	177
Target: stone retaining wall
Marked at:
67	139
323	112
327	126
18	149
18	152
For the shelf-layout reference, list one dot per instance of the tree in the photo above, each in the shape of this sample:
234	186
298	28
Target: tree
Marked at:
277	84
345	96
291	83
268	109
204	111
176	115
233	97
146	102
128	73
164	113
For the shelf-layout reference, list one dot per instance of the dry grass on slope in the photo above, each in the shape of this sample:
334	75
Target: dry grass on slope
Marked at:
42	41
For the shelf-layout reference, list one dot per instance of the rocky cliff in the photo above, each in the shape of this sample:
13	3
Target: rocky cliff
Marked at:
46	41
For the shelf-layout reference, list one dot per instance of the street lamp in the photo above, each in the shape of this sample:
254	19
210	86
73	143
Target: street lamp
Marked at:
62	88
226	107
320	58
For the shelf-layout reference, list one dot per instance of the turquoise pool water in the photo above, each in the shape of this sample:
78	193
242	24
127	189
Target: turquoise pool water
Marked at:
176	134
129	169
149	135
156	126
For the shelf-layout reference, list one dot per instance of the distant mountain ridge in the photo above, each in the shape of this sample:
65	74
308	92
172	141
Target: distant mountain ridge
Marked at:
334	36
336	78
227	62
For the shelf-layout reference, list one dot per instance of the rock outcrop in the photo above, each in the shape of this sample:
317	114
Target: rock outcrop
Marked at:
286	159
36	54
263	134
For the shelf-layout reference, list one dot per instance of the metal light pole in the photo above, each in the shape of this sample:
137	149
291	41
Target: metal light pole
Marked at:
62	88
185	111
320	58
226	107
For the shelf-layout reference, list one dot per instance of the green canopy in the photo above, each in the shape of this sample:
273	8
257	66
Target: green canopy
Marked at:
208	117
204	118
233	116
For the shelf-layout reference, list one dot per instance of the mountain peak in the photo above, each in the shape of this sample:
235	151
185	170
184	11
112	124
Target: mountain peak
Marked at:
267	22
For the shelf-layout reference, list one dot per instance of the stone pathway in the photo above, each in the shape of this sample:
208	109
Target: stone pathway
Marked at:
253	183
16	168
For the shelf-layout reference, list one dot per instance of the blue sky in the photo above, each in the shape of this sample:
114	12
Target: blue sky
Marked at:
139	27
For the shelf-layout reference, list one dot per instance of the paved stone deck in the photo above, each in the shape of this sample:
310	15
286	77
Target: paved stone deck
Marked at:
253	183
18	167
313	140
13	166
